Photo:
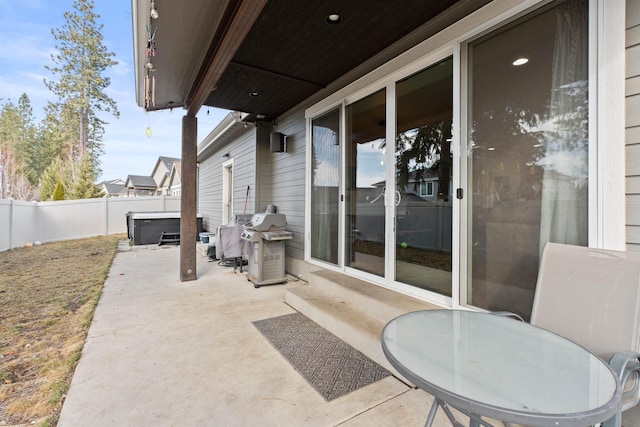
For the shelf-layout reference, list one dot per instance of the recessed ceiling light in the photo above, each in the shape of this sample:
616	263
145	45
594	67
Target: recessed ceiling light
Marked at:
334	19
520	61
491	149
254	94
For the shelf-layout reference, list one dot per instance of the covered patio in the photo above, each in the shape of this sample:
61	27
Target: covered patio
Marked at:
262	58
165	353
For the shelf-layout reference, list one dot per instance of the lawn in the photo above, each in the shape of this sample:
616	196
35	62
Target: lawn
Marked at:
48	295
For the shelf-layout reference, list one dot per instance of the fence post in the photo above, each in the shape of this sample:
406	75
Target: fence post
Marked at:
440	227
10	223
106	215
36	210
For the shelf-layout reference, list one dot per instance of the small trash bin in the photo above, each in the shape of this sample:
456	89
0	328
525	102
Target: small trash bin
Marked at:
205	238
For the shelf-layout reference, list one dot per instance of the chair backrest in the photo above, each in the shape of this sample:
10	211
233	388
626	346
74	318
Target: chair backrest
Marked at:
590	296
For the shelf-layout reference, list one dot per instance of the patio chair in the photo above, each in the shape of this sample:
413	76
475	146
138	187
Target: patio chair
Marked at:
592	297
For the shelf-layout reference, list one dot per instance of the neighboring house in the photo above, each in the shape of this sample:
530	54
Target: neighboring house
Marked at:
113	188
173	186
424	184
138	185
161	172
524	111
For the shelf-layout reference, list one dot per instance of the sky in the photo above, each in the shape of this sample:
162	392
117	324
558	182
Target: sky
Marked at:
26	45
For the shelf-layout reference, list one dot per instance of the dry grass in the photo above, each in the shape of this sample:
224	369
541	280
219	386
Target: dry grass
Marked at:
48	295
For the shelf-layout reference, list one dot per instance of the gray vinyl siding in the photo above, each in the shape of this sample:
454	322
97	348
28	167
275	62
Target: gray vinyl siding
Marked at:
243	151
632	135
282	178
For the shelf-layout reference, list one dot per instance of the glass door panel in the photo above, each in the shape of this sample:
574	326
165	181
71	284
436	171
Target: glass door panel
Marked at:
527	151
365	184
325	187
423	211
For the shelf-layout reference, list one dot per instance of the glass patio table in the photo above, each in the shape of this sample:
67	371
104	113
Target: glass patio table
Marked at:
486	365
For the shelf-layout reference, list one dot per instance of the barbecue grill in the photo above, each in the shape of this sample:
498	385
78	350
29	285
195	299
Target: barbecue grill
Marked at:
266	234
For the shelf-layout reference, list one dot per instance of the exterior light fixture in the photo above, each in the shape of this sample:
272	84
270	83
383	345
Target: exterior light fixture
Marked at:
153	12
254	94
520	61
278	142
333	19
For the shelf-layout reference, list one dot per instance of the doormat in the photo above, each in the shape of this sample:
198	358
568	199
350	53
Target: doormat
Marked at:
329	365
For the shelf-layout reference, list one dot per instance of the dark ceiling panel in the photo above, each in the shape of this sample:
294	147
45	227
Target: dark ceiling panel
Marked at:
254	91
292	52
293	37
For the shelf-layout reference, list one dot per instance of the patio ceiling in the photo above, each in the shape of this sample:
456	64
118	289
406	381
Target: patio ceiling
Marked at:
263	57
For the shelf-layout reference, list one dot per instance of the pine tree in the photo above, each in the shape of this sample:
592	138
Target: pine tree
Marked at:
73	125
57	171
58	193
16	134
84	187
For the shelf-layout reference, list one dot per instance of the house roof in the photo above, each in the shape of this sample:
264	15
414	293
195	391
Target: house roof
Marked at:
224	132
141	182
263	57
168	161
113	187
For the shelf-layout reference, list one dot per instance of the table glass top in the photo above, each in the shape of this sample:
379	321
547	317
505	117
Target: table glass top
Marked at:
498	361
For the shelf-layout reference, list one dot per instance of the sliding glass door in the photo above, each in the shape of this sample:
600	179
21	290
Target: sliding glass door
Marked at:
325	187
488	163
423	170
365	184
527	151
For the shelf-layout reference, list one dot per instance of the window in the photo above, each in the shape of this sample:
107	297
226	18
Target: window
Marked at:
325	187
426	189
528	143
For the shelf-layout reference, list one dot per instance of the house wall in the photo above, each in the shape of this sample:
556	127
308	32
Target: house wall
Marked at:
284	179
632	138
243	151
158	176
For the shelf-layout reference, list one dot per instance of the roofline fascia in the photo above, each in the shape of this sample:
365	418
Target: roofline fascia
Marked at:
136	57
233	119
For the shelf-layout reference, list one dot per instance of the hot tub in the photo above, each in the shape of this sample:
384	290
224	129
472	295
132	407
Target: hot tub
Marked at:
146	228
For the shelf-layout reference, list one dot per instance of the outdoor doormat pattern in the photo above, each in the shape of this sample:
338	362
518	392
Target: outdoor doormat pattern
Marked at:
329	365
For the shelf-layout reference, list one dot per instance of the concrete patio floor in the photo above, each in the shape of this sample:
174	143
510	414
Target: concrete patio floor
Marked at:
162	352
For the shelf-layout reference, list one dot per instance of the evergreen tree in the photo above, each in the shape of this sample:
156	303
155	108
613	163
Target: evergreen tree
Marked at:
57	171
73	126
16	134
84	187
58	193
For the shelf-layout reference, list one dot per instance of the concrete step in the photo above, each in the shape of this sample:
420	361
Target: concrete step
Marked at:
380	302
353	310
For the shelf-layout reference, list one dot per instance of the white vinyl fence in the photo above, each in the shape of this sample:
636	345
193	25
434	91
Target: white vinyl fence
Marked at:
30	222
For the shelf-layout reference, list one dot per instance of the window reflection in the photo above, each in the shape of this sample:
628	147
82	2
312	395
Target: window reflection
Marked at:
325	184
528	144
423	178
365	184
